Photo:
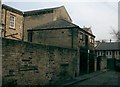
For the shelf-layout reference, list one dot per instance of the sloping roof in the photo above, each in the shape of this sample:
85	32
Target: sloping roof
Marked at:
12	9
108	46
88	30
36	12
58	24
45	11
40	11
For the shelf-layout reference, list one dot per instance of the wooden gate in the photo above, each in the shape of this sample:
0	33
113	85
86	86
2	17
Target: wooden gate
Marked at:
111	64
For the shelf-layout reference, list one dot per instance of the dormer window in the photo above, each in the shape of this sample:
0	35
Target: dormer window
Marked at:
12	21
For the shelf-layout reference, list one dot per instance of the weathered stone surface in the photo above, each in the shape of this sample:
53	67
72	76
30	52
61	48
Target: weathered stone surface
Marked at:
35	64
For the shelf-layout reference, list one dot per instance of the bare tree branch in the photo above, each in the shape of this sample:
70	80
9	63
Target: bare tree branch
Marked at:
115	33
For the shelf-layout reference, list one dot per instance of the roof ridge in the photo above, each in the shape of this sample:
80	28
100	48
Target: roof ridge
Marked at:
31	12
108	46
12	9
43	9
55	25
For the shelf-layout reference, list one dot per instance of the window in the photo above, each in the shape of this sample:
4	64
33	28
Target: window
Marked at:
12	21
30	36
101	53
110	53
116	52
91	40
81	36
98	54
107	53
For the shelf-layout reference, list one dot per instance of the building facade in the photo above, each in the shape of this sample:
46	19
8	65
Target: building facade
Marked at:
12	23
63	33
39	17
52	41
110	50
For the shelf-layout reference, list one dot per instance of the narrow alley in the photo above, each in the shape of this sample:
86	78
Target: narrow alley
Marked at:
107	78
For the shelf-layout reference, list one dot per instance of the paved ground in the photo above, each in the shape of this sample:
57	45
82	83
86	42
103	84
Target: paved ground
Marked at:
107	78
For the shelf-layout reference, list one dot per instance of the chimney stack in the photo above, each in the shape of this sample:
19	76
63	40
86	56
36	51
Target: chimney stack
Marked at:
110	40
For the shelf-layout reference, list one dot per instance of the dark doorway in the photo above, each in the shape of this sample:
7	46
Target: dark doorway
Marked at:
83	61
86	40
98	63
91	62
110	64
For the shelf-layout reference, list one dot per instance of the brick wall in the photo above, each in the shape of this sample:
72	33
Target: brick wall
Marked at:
35	64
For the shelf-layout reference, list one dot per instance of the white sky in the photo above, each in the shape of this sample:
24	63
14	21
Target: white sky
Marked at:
101	16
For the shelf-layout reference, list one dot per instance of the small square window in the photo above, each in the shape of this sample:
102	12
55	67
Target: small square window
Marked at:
12	21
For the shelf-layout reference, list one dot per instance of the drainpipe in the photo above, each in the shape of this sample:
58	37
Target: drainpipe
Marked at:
88	61
72	39
5	22
23	31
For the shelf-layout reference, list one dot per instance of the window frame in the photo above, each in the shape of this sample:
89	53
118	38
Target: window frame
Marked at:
12	21
91	40
30	36
81	36
110	53
107	53
98	53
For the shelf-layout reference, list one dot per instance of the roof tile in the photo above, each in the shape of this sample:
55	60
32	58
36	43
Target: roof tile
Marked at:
108	46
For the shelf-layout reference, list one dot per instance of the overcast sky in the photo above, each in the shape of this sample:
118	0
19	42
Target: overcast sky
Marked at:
100	16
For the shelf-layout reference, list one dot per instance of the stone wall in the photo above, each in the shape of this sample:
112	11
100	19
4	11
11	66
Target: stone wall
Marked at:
61	37
58	37
104	63
32	21
5	20
61	13
36	20
34	64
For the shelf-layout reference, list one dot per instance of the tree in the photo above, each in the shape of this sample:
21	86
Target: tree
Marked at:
116	34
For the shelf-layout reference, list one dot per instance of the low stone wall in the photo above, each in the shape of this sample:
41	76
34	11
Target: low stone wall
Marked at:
26	63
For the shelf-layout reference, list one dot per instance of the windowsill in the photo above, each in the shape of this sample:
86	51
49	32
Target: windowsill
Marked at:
12	28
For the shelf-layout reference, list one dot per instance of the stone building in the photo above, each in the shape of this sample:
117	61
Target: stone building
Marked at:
63	33
109	50
60	31
39	17
12	23
55	49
